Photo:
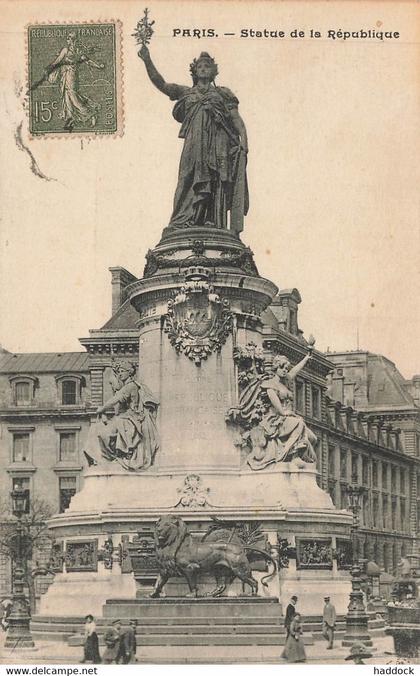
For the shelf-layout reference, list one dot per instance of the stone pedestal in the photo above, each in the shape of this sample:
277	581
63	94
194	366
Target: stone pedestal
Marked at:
85	593
201	299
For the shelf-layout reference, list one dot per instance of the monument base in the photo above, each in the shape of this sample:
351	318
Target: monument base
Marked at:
284	503
85	593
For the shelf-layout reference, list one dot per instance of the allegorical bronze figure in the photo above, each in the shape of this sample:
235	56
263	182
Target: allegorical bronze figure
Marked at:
212	172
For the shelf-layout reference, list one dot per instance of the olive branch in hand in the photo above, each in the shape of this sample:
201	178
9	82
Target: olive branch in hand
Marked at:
144	31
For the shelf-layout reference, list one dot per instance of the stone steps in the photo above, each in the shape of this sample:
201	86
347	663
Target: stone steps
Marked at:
69	622
185	622
177	608
162	629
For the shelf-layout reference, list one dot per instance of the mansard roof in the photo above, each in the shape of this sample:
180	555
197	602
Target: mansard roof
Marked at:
126	317
385	386
38	362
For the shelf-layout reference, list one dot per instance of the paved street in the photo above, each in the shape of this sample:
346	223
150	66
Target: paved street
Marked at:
60	653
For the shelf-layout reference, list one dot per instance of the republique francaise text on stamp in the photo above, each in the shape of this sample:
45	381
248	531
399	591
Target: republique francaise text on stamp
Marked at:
74	79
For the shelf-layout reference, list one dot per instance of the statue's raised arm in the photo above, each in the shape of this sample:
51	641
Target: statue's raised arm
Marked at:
153	73
212	187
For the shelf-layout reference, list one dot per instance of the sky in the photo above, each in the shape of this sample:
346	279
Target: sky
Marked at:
333	171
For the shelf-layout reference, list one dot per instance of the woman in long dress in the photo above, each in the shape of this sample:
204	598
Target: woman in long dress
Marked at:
212	176
91	644
75	106
294	649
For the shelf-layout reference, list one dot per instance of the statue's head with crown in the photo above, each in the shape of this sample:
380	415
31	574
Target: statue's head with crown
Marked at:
204	61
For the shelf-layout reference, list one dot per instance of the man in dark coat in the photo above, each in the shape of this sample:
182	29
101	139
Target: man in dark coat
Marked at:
290	613
112	642
128	644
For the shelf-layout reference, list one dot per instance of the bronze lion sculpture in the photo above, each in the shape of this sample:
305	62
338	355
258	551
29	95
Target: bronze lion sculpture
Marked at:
179	554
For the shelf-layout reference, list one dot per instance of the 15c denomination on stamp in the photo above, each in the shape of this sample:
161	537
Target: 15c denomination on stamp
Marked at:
75	79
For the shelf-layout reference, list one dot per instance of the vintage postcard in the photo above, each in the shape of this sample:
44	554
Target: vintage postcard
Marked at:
209	366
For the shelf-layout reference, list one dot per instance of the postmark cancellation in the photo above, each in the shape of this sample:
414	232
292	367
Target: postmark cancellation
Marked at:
75	79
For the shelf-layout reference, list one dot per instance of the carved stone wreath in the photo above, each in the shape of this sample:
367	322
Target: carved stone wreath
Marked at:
198	321
193	493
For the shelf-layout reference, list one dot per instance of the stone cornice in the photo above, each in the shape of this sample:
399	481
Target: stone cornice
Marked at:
362	443
14	414
295	349
392	415
114	342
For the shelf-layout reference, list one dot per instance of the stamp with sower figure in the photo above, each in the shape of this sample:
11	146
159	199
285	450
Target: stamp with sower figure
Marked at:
74	79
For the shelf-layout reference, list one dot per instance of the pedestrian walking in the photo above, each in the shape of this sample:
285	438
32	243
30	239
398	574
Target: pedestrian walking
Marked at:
7	606
294	650
112	642
91	643
329	618
128	644
290	613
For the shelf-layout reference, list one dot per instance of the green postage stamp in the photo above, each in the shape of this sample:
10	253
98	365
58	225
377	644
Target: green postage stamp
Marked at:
75	79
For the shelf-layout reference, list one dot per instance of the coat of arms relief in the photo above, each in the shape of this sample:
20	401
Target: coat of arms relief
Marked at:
198	321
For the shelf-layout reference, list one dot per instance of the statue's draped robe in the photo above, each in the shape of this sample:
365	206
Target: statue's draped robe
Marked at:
283	437
212	175
131	437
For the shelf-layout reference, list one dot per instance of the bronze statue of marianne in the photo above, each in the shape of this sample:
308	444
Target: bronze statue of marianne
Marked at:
212	171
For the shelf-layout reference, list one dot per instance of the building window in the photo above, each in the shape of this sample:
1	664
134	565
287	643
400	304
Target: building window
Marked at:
20	447
394	514
374	473
354	468
67	490
23	389
343	463
366	514
69	392
402	481
344	500
375	506
384	477
404	515
67	452
385	511
393	480
331	462
23	393
23	484
300	396
69	388
365	471
316	402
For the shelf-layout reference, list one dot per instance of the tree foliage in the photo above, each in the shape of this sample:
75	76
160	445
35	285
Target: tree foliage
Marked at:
34	537
34	528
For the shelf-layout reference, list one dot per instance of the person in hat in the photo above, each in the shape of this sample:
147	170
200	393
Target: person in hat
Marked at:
294	649
91	644
290	613
112	642
329	618
7	606
128	644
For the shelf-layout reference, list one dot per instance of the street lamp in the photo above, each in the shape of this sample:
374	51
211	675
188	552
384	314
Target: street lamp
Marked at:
356	618
18	634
